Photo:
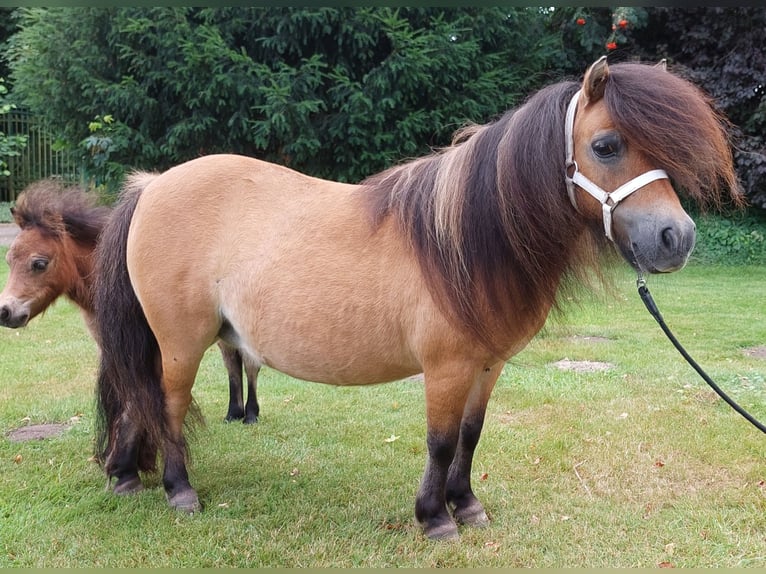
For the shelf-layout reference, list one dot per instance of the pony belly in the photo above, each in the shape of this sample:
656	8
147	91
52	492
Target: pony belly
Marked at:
320	351
356	372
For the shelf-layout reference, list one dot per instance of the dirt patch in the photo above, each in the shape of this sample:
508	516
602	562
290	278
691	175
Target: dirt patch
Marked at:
757	352
37	432
582	366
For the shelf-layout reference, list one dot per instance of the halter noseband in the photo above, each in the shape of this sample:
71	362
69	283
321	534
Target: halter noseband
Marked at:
607	200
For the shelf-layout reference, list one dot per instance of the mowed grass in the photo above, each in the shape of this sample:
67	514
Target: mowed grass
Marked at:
639	465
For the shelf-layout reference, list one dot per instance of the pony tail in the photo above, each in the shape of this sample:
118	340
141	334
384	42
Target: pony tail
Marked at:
129	398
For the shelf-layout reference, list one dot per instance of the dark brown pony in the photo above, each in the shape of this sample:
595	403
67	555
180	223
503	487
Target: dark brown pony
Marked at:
447	265
53	256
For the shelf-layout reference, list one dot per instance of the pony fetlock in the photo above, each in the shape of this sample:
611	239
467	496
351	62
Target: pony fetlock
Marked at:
127	484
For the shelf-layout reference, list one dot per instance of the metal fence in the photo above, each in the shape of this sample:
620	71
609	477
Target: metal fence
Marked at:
38	159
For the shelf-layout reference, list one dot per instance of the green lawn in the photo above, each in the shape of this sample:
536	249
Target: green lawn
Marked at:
638	465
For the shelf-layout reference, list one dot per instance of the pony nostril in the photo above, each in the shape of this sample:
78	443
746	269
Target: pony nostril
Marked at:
669	238
5	314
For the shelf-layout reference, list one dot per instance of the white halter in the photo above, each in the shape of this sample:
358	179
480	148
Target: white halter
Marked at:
608	200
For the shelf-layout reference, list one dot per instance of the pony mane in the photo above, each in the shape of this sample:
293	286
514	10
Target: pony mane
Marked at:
58	209
490	220
676	126
489	217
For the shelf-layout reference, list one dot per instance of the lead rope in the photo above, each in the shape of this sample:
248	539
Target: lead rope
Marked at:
609	201
651	306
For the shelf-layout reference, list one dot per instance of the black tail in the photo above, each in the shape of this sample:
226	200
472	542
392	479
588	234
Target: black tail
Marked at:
130	401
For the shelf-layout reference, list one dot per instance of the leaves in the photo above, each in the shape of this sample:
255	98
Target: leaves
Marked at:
334	92
10	145
344	92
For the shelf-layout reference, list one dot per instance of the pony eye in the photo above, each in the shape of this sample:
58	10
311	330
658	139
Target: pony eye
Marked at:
606	147
39	264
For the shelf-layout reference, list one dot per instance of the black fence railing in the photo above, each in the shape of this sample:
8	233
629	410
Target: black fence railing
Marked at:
39	158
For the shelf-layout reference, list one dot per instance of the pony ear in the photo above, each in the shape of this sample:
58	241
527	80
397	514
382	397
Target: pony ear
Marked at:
662	65
17	217
594	83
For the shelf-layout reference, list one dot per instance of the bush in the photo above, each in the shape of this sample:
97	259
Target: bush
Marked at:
731	240
5	212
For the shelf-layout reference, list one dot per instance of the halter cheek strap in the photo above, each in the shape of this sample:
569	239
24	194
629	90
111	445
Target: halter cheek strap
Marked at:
607	200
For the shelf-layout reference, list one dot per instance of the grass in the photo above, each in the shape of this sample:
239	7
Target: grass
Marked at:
639	465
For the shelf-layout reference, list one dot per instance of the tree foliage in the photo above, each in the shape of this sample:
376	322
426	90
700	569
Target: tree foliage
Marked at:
336	92
10	145
724	51
7	29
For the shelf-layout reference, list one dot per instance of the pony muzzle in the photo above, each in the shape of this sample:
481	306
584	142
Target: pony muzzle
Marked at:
14	314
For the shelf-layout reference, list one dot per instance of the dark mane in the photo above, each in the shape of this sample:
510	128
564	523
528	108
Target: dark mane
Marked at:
58	209
677	126
489	217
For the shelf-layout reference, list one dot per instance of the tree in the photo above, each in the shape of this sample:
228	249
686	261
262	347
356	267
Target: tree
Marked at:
722	50
7	29
335	92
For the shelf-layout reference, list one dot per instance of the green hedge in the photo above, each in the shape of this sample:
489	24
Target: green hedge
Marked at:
5	212
731	240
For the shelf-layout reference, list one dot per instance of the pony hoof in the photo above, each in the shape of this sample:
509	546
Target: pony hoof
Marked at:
472	515
441	531
185	501
130	485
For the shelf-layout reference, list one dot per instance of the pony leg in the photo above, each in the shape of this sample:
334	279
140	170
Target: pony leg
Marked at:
445	402
178	378
252	409
460	497
122	462
249	411
232	360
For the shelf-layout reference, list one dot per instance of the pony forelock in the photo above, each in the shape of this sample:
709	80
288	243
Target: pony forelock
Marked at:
677	126
59	209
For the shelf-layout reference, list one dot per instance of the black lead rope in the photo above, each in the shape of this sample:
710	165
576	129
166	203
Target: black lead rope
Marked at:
646	297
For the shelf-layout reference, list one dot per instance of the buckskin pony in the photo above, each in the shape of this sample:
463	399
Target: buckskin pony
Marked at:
446	265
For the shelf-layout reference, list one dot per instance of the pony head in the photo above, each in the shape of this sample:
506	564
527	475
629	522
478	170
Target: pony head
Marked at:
627	146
